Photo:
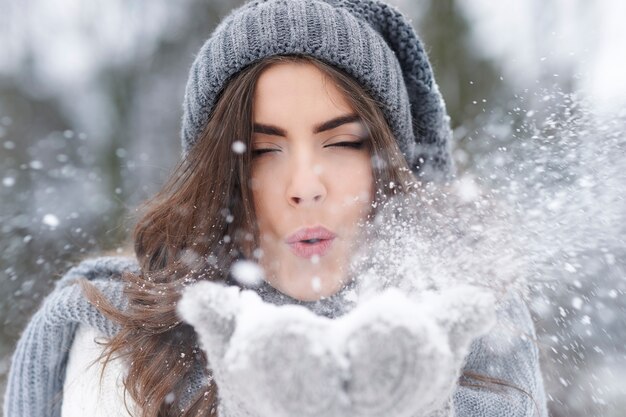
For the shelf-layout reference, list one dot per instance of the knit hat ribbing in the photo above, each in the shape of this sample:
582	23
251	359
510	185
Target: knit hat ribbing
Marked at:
367	39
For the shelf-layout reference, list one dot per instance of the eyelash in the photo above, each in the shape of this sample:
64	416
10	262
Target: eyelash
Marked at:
353	145
350	145
259	152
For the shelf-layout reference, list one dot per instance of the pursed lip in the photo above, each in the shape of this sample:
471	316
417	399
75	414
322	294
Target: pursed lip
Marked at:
311	241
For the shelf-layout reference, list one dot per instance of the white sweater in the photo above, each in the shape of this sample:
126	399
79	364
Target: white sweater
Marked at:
84	394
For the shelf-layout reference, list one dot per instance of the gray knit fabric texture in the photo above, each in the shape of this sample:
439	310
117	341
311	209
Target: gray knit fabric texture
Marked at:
368	39
37	374
38	365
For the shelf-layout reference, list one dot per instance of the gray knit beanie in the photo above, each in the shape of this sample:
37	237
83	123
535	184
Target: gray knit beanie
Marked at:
367	39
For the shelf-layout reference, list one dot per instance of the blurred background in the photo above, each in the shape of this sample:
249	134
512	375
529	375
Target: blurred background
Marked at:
90	107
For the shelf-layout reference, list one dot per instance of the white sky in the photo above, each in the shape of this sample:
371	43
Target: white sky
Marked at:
535	38
532	38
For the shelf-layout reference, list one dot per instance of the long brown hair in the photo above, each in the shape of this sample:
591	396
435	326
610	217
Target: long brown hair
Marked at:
199	223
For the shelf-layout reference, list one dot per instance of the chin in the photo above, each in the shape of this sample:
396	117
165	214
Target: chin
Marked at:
296	276
314	289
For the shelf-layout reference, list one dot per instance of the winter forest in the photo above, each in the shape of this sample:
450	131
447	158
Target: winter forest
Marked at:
90	107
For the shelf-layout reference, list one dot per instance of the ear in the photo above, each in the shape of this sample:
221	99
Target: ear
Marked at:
211	308
465	312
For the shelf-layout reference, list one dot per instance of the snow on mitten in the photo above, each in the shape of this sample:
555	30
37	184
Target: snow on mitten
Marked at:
267	360
211	308
391	355
406	354
285	359
466	312
396	355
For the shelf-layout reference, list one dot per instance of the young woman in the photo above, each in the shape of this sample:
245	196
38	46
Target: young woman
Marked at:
300	119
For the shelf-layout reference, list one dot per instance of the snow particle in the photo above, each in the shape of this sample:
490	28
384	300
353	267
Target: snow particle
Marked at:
238	147
211	260
36	164
50	220
191	258
316	284
247	273
577	303
169	398
467	189
8	181
378	162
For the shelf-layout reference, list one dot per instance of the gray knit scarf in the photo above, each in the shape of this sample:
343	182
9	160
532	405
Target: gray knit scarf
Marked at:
37	373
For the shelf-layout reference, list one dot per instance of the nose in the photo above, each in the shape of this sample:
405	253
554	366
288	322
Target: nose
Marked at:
306	184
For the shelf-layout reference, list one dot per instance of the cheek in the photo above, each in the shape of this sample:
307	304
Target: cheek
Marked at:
353	188
354	179
265	193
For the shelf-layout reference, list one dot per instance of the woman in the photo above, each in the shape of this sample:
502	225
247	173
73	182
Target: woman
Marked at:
300	118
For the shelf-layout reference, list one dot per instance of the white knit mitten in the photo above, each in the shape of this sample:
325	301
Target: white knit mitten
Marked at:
389	356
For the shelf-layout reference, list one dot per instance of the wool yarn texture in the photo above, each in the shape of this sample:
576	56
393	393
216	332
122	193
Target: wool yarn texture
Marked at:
369	40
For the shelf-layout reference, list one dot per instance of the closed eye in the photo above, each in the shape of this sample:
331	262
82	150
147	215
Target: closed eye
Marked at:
353	145
262	151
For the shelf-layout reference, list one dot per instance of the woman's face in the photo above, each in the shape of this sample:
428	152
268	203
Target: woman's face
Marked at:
311	179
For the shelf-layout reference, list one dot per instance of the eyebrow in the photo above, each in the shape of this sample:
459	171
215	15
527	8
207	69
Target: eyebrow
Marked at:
322	127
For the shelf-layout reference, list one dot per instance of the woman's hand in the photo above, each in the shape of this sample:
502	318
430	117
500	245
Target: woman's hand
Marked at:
391	355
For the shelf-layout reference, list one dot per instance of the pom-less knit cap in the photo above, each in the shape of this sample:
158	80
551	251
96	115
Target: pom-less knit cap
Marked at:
367	39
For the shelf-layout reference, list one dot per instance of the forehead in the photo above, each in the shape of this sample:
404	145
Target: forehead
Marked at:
292	91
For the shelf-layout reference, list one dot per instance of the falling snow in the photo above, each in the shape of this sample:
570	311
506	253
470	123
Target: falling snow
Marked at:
239	147
247	273
50	220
